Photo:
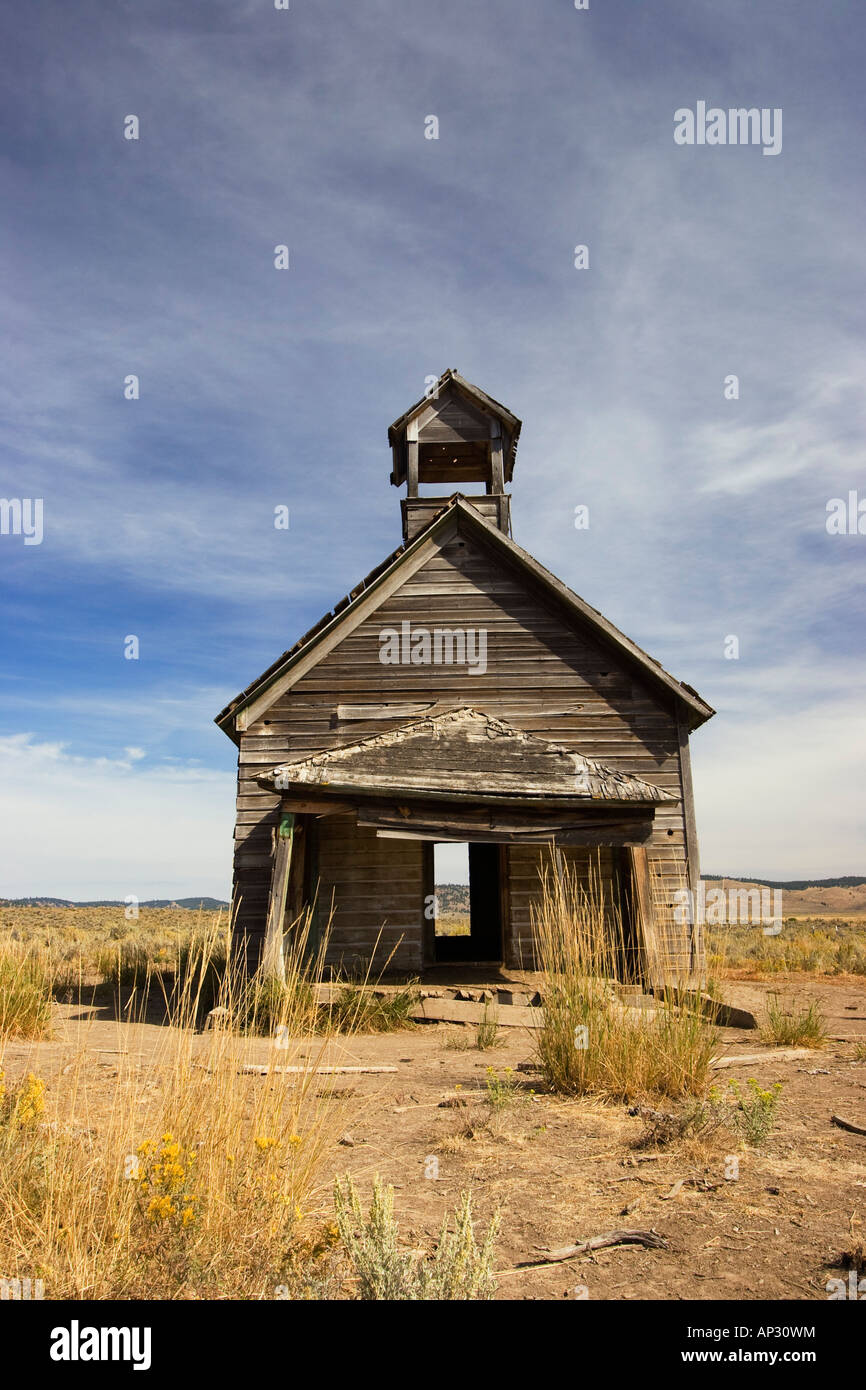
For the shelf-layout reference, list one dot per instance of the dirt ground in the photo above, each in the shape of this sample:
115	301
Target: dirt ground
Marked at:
565	1170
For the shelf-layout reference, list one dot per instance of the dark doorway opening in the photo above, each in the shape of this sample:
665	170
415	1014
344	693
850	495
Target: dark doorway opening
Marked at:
483	941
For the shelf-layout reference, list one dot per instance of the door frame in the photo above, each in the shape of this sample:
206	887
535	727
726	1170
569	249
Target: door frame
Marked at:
428	953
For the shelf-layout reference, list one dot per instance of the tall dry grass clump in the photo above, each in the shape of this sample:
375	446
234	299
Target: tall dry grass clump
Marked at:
188	1177
592	1041
25	991
795	1026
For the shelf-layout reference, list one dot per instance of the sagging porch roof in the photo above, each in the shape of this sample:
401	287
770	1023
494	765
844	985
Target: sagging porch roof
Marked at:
464	755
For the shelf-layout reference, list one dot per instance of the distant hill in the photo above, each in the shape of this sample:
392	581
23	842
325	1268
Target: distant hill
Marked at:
453	897
821	898
206	904
837	897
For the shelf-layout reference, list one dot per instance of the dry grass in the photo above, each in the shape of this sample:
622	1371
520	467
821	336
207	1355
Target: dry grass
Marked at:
162	955
25	991
84	942
356	1009
198	1180
590	1041
488	1033
453	924
835	947
794	1027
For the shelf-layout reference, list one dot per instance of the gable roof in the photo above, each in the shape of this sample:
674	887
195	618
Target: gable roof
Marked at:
481	399
354	607
464	752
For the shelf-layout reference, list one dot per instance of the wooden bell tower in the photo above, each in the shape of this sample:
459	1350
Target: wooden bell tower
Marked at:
455	434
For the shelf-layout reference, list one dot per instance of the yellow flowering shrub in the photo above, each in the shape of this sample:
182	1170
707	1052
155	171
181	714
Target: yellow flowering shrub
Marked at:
23	1104
165	1175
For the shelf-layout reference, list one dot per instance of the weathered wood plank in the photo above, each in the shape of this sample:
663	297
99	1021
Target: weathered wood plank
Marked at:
644	915
464	1011
404	710
273	962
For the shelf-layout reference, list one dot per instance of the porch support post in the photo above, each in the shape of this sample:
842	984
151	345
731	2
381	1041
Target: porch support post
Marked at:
273	961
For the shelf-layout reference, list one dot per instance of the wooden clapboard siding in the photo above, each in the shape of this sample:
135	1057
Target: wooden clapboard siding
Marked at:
377	890
547	673
418	512
451	419
525	867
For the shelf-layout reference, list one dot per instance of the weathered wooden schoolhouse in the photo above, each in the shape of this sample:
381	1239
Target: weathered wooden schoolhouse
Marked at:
460	692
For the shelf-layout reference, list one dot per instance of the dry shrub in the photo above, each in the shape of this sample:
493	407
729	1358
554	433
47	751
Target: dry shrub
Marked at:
591	1041
749	1113
460	1269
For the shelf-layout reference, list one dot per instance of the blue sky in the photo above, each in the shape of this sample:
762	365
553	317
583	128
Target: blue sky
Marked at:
260	387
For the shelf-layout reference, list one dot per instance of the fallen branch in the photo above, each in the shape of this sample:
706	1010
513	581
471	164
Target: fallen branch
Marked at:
847	1124
649	1239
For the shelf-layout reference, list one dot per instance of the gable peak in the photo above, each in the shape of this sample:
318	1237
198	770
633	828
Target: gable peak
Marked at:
454	434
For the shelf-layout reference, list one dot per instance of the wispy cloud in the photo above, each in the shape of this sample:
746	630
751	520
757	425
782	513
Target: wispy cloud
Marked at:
261	388
819	440
118	826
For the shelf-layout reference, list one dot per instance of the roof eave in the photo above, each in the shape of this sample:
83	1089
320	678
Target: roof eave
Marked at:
225	718
495	407
345	791
698	708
